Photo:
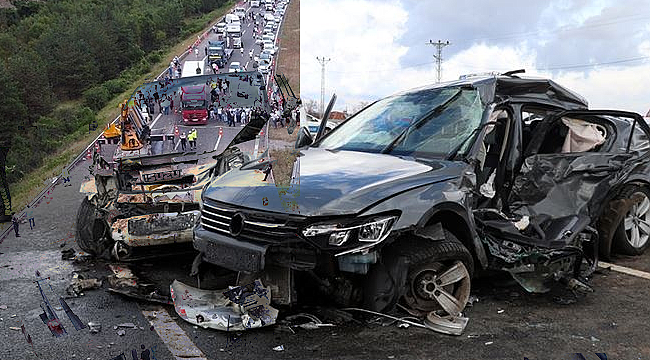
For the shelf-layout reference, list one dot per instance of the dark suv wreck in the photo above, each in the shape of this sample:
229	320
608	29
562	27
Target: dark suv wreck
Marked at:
417	192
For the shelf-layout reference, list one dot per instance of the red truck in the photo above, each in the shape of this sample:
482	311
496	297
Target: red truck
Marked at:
194	105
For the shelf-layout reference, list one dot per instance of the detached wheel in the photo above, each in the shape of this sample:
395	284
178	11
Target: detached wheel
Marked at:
91	230
439	275
625	223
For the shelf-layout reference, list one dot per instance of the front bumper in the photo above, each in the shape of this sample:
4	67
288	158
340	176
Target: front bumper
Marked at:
229	253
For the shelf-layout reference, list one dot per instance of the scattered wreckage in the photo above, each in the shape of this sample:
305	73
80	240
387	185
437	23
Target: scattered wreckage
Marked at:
145	197
415	195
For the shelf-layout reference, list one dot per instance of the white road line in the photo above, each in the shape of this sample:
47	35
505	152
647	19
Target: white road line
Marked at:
243	32
625	270
217	144
154	122
178	343
205	58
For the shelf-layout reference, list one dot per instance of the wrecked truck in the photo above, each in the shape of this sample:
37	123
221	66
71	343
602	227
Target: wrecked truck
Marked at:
143	199
412	197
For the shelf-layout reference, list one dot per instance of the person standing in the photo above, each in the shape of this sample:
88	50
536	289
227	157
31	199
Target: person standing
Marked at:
30	217
196	52
15	222
183	140
206	50
66	177
219	114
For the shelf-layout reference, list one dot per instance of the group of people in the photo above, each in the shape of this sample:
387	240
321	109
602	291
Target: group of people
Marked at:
174	70
191	137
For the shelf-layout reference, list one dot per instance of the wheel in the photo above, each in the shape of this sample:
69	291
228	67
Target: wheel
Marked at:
625	223
91	230
633	233
439	274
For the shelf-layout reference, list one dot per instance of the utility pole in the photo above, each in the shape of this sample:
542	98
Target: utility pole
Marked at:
439	45
322	62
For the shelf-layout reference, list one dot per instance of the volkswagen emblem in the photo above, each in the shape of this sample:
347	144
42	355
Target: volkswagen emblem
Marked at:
236	224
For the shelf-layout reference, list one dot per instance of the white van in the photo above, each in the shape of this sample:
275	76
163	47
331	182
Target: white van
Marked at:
192	68
240	12
255	3
230	18
269	17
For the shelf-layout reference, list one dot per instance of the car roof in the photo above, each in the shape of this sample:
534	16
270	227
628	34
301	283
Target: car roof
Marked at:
497	88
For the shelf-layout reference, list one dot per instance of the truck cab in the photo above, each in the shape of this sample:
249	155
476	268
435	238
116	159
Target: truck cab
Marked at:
194	105
217	53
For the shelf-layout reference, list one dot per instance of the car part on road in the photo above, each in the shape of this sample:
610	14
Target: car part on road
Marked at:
94	327
79	284
444	323
123	281
215	310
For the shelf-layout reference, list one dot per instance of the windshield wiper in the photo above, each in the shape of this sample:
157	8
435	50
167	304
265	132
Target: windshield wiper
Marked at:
419	123
453	153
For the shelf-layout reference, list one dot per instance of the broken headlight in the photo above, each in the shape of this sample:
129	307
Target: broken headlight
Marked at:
373	230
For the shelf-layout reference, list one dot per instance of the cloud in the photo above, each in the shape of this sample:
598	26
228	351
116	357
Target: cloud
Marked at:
378	48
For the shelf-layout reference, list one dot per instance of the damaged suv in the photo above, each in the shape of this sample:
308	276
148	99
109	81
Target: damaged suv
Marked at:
410	197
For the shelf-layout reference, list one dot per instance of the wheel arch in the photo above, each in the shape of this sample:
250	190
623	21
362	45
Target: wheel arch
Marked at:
453	217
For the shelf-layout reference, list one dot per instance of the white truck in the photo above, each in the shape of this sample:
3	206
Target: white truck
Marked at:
192	68
230	18
233	30
255	3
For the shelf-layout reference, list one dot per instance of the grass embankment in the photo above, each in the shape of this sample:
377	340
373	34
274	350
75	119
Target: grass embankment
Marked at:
30	186
288	63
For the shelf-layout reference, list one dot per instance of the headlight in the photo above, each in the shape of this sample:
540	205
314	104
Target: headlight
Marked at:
372	231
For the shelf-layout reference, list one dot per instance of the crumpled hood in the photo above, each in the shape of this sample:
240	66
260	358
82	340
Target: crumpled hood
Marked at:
331	182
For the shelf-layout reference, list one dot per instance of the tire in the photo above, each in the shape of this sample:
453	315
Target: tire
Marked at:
611	225
632	236
427	261
91	230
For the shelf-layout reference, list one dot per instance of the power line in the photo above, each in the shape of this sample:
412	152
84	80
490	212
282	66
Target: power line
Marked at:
566	28
560	67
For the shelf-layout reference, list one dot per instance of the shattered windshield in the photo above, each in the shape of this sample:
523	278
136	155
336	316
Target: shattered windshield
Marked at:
426	122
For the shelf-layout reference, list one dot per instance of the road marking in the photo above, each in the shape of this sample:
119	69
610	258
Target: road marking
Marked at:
178	343
245	66
625	270
244	32
217	144
154	122
205	58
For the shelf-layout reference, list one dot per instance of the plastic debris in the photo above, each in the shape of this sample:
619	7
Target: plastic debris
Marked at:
127	325
14	328
500	311
94	327
3	307
489	343
235	309
594	339
403	325
279	348
121	332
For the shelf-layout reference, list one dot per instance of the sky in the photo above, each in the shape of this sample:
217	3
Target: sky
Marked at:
598	48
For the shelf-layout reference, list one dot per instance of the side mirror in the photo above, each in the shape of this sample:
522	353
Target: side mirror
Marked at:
304	138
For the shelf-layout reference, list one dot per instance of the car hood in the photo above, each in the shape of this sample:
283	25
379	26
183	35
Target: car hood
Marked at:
331	182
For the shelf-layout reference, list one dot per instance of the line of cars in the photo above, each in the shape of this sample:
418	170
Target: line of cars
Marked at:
267	40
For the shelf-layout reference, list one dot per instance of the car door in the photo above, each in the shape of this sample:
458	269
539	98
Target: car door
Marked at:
570	166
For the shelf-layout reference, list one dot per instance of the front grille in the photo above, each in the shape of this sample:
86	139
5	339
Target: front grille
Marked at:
261	226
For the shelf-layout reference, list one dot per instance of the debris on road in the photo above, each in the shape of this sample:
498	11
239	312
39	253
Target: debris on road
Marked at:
279	348
500	311
489	343
125	325
125	282
79	284
94	327
471	300
67	254
121	332
3	307
234	309
441	322
14	328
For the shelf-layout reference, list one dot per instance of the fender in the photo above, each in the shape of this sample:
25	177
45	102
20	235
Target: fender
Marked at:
449	212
